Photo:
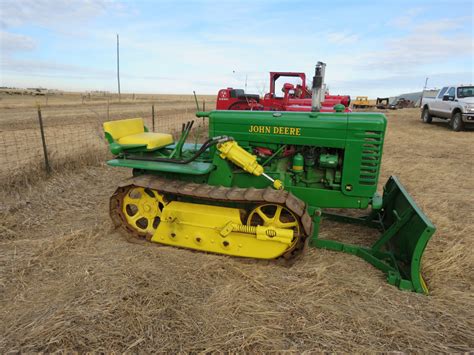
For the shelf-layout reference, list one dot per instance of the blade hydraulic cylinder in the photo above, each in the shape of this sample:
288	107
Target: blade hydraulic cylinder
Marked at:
248	162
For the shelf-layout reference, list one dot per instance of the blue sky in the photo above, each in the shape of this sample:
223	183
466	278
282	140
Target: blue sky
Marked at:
370	47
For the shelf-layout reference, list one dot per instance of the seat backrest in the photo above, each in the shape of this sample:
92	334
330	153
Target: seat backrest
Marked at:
121	128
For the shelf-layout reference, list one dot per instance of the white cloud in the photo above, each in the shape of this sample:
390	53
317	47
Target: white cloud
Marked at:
49	68
11	42
408	17
425	43
52	13
392	85
342	37
447	24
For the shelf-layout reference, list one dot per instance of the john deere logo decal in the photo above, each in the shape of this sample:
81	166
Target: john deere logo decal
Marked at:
288	131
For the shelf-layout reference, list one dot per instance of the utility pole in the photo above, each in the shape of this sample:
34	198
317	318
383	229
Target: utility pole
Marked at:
426	83
118	67
237	75
423	92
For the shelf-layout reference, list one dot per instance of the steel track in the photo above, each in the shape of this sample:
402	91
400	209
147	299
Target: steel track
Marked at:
206	192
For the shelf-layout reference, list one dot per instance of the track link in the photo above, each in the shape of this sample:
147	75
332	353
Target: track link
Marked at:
206	192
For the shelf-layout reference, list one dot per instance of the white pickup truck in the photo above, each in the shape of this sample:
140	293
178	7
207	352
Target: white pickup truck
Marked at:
454	103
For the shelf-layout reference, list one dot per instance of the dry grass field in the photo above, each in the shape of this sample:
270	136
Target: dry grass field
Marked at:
69	282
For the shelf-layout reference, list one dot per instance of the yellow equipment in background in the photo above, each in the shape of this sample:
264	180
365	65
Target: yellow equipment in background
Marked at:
362	102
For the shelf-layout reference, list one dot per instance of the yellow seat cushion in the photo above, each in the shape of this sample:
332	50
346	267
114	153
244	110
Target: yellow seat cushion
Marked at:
152	140
121	128
132	131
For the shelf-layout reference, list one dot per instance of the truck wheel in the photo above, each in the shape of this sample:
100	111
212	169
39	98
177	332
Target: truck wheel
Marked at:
456	122
425	115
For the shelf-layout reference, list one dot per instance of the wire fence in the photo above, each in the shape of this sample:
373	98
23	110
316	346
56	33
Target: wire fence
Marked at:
70	142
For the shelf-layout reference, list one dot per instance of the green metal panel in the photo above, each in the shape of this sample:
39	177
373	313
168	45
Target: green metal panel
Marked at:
328	198
186	146
298	128
193	168
363	154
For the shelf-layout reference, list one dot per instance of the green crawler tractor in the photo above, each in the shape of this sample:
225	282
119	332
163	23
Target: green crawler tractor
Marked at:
262	184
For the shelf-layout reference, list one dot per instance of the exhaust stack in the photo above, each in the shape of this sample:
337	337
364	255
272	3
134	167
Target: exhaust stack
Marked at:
317	90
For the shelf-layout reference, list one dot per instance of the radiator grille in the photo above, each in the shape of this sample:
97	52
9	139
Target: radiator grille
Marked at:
370	158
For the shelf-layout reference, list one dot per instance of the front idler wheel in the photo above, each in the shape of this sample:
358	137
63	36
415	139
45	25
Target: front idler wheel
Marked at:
273	215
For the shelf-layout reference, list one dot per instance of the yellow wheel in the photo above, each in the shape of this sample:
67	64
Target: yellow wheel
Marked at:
271	215
142	208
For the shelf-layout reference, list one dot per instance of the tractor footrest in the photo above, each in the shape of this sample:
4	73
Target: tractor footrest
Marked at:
192	147
193	168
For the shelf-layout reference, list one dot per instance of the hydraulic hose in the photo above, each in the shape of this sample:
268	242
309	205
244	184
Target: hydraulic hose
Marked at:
207	144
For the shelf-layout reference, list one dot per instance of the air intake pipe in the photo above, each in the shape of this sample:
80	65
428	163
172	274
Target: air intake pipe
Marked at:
317	90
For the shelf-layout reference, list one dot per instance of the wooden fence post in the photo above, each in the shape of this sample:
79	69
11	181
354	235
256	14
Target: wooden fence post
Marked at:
153	116
196	100
45	150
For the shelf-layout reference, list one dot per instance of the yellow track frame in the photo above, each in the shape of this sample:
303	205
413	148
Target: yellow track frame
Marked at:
219	230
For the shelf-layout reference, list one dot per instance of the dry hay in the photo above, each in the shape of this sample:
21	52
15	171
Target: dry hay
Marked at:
69	282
